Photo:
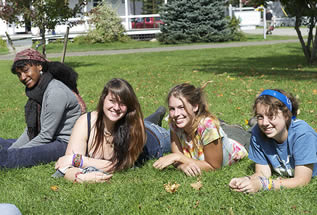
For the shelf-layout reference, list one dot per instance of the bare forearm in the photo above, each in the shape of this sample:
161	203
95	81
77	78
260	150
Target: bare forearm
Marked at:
281	183
203	165
101	164
255	175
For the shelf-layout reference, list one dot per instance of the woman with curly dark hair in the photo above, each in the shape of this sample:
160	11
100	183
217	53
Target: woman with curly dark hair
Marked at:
51	111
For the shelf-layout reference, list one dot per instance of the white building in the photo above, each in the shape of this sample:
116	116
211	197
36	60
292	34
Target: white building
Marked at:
127	10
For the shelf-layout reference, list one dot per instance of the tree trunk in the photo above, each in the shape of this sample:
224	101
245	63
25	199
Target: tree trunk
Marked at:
310	33
302	42
65	44
42	31
314	49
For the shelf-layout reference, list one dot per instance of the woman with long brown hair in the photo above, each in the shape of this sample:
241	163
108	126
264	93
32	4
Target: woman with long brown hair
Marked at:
113	137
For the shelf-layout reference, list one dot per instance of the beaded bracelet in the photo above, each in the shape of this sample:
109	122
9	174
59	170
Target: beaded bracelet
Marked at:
77	160
267	183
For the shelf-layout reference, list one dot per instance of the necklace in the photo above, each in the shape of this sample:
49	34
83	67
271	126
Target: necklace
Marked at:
108	137
107	133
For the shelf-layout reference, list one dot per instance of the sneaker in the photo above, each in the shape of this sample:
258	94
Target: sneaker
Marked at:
162	111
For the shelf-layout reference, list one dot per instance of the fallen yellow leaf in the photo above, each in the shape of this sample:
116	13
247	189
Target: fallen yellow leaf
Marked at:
54	188
171	188
197	185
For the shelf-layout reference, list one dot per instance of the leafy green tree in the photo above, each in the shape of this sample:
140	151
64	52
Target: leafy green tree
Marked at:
195	21
305	12
107	25
44	14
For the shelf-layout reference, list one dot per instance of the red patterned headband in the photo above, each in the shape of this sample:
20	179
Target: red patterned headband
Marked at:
29	54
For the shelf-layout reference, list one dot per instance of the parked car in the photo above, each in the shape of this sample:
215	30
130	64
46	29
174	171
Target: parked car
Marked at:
146	22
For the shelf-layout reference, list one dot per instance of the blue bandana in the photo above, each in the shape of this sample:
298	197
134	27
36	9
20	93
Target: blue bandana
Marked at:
279	96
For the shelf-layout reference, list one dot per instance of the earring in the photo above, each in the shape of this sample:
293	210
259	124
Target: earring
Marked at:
41	73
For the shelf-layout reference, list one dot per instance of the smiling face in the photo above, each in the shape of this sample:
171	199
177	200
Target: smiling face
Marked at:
272	126
113	109
29	75
181	112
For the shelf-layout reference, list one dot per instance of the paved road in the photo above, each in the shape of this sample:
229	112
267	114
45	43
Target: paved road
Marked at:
26	43
279	31
161	49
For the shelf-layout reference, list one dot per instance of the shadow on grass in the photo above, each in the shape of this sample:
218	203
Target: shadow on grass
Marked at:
289	67
77	64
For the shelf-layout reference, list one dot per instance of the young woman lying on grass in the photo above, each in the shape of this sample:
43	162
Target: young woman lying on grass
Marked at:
279	143
51	111
113	137
197	140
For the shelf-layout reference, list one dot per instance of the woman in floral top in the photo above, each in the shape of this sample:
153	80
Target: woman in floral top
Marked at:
197	140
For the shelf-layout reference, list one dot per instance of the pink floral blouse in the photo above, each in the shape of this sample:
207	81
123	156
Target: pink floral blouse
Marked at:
207	132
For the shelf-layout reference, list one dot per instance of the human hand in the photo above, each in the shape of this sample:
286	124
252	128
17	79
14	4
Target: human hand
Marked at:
190	169
238	156
93	177
64	161
165	161
245	184
108	166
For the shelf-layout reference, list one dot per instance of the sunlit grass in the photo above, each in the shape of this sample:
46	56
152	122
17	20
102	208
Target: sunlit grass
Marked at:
238	75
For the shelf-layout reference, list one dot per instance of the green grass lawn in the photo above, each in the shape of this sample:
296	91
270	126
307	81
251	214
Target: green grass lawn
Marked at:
238	75
56	47
4	50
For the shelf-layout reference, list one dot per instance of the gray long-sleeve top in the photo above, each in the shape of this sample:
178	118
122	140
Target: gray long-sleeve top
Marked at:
60	110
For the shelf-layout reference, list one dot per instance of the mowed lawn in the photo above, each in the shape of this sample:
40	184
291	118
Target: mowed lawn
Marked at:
238	75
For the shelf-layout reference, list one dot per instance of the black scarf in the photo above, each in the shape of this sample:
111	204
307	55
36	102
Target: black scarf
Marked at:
34	104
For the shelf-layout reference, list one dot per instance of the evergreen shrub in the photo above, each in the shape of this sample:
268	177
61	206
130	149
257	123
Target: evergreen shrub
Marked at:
238	35
83	39
187	21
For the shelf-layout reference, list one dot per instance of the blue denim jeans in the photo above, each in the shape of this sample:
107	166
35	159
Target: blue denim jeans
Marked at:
158	142
25	157
9	209
162	135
